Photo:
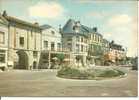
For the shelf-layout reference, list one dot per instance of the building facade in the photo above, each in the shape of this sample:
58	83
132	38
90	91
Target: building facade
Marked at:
51	39
75	40
3	42
95	46
24	45
116	54
51	46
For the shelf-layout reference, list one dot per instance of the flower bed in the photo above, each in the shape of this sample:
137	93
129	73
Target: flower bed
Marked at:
74	73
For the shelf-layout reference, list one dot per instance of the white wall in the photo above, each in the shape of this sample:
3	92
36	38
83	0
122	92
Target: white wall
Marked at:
4	46
4	28
48	36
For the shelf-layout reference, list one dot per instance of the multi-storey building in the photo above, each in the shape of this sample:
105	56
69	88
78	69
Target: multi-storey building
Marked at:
75	40
24	43
51	38
51	46
105	46
95	45
3	42
116	54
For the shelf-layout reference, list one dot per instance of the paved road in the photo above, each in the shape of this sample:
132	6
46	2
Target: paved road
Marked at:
45	83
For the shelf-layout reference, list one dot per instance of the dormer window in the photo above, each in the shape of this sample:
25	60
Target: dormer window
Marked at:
53	32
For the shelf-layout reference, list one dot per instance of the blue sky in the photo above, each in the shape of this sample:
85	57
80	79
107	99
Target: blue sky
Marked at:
116	20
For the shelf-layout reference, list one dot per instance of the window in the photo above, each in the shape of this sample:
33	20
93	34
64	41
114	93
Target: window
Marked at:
45	44
85	40
58	46
52	32
82	39
2	37
69	46
2	56
35	54
69	39
81	48
21	41
77	38
77	48
52	46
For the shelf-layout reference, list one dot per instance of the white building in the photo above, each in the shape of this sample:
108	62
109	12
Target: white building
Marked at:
51	46
3	42
51	39
24	43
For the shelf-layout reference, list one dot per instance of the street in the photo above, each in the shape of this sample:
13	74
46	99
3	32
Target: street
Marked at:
45	83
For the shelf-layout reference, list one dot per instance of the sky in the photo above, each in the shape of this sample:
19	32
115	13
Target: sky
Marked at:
116	20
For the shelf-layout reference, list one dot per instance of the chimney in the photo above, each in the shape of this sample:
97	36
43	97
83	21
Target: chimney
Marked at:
95	29
4	13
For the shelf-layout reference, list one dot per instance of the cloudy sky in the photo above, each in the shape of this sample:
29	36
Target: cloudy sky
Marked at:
116	20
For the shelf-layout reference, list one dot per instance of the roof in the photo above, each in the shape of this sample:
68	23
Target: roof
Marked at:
46	26
90	30
19	21
4	21
105	40
115	46
83	30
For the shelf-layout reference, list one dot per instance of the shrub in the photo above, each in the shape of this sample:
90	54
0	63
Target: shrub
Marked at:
111	73
60	57
73	73
68	72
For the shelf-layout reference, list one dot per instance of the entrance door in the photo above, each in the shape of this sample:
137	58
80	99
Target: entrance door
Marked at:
34	65
23	60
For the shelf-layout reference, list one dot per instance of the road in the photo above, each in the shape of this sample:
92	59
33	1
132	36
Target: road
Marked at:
45	83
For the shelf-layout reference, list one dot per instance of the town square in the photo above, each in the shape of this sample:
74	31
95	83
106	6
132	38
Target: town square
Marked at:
68	48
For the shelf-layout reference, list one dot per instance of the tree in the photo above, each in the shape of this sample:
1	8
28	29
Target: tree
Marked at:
61	57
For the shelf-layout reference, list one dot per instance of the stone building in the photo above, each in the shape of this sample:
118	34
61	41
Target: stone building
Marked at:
116	54
105	46
24	43
3	42
75	40
95	50
106	49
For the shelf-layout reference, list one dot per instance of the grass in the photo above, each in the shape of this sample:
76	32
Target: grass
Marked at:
73	73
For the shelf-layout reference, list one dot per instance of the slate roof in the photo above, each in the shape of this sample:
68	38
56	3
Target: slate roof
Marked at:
69	28
83	30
